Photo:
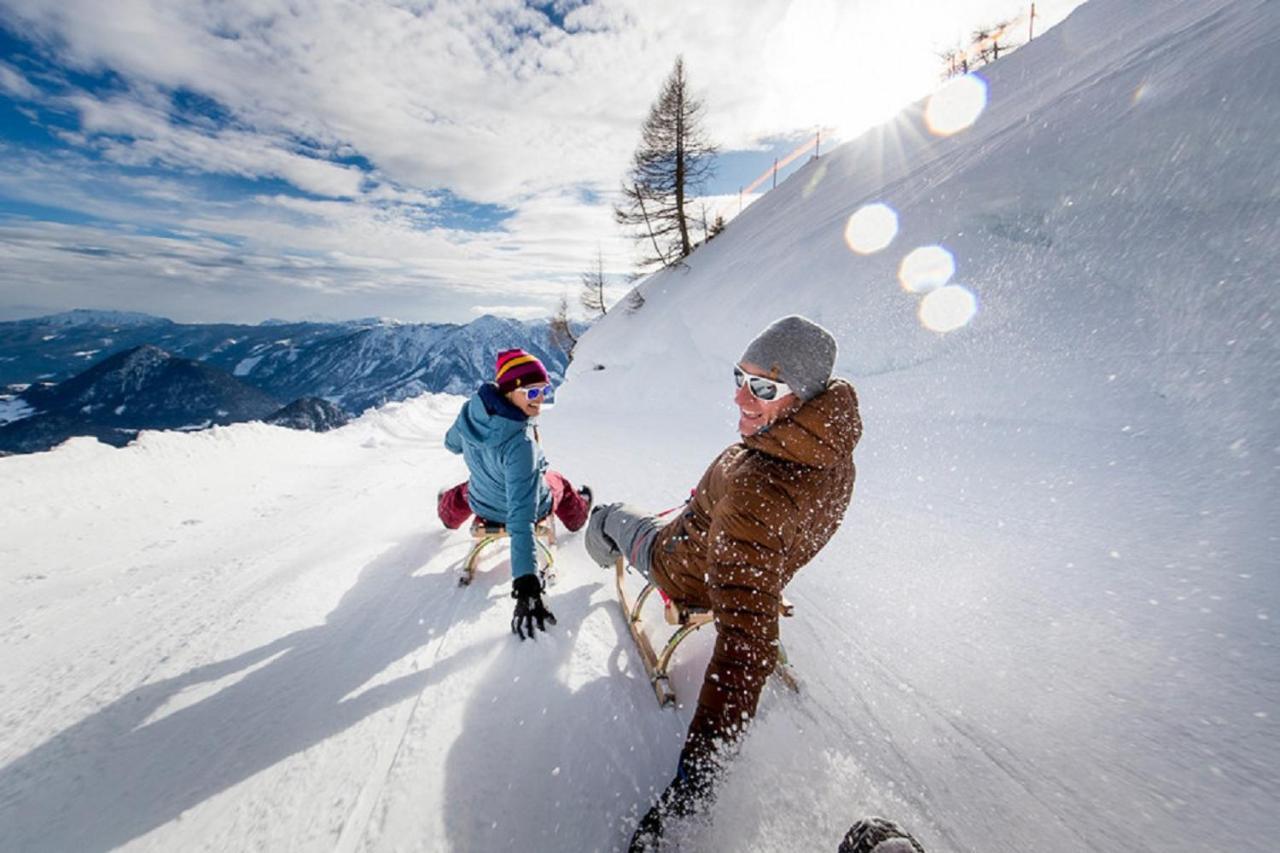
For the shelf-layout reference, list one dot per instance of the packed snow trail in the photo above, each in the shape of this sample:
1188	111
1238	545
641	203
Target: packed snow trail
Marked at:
254	637
300	670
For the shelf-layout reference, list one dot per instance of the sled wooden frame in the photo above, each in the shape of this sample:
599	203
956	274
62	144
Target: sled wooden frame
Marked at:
485	534
687	621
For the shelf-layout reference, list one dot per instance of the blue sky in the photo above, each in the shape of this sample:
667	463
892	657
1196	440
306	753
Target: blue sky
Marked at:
349	158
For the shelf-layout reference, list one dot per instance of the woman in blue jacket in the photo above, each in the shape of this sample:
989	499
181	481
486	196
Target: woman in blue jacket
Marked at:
509	480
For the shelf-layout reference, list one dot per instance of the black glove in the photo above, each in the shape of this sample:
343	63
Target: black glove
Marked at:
688	793
527	591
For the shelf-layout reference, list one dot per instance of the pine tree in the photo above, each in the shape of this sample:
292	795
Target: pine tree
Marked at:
674	157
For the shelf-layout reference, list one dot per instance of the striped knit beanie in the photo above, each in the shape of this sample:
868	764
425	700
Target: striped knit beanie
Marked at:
516	369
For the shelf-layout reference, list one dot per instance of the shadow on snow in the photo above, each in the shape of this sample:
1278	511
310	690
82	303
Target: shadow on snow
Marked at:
113	777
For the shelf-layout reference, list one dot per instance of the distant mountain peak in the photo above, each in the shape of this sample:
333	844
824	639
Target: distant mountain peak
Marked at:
493	320
144	353
312	413
132	368
92	317
376	321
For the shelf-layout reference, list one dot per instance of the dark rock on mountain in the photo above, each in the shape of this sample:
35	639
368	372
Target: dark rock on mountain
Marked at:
310	413
141	388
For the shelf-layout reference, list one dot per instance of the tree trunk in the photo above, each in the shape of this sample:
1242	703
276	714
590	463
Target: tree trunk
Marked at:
685	248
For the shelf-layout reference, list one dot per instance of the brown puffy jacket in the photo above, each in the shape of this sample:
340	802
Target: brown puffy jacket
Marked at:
762	510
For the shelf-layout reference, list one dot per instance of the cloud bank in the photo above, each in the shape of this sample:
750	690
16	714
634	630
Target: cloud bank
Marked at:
234	159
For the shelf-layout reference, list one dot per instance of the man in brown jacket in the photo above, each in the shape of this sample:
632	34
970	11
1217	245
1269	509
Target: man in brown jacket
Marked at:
763	509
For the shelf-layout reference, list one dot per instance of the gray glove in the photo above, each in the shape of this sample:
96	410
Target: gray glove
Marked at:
600	547
622	530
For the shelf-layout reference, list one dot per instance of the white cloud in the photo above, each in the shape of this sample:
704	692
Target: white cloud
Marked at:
489	99
140	133
16	84
282	252
483	98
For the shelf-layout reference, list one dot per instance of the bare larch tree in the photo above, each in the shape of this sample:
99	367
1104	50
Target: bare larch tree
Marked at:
561	329
592	296
674	157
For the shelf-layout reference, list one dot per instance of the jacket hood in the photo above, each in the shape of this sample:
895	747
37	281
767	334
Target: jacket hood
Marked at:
819	434
489	418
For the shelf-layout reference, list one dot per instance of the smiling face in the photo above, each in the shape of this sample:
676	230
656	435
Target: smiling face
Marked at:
520	399
755	414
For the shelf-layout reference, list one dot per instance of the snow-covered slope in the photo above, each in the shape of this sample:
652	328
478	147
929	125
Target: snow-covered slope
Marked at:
1046	625
1048	622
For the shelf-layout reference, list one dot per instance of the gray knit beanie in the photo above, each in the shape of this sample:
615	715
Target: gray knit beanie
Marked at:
798	351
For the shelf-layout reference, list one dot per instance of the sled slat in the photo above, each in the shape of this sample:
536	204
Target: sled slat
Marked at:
631	613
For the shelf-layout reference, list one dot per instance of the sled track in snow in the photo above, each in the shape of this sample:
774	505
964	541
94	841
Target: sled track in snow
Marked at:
355	827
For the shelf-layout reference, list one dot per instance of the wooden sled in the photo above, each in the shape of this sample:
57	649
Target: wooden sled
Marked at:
486	533
686	620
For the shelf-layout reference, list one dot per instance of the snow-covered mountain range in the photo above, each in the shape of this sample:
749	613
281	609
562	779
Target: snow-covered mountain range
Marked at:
351	365
356	364
1048	622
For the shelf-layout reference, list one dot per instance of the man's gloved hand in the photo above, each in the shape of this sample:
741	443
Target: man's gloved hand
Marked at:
527	591
600	547
688	793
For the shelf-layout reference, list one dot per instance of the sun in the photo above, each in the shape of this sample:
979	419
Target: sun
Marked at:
846	67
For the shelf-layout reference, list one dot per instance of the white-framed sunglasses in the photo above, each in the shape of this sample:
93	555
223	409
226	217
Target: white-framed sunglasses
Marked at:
536	392
761	387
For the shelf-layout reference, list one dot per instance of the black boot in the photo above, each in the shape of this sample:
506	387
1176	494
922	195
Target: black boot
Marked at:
878	835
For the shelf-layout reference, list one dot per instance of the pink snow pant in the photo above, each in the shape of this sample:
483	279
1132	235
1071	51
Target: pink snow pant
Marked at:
566	503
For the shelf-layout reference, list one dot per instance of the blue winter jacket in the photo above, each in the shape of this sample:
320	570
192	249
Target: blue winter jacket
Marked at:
506	465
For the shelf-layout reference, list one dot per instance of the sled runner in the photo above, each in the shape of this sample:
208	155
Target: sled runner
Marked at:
686	620
486	533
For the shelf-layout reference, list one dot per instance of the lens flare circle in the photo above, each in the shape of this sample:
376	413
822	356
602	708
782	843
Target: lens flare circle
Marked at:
871	228
925	269
948	308
956	105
